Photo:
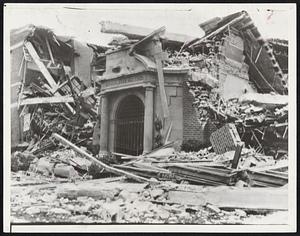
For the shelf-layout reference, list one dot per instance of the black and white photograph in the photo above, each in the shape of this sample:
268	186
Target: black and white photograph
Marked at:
149	117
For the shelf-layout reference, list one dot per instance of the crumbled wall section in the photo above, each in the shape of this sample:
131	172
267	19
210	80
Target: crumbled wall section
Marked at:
191	126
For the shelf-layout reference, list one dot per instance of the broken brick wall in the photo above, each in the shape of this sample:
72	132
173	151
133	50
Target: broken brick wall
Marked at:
192	129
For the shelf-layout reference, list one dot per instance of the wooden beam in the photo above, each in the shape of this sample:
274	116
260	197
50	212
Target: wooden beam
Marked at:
158	60
151	35
21	66
237	155
258	54
99	163
62	85
259	72
50	52
44	71
45	100
23	83
88	92
217	31
162	91
168	133
41	65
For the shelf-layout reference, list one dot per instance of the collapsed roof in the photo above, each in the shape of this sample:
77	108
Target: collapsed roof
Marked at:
42	39
267	69
264	69
280	49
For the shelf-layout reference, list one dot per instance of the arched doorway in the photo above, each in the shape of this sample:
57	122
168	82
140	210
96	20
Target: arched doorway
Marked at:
129	123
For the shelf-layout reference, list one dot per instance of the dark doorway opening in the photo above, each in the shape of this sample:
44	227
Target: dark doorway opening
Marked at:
129	122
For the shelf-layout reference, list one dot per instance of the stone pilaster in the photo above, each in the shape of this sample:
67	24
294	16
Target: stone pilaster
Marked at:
148	120
104	127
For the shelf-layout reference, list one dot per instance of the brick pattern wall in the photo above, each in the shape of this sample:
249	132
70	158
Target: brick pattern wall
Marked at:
209	128
191	126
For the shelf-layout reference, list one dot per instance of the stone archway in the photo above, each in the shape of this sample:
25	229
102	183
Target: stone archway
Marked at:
129	126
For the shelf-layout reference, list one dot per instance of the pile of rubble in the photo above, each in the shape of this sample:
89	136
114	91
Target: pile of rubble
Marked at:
261	119
228	154
113	200
228	182
51	98
211	186
223	184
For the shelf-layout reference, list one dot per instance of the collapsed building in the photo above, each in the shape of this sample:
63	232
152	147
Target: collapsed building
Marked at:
51	85
160	87
151	87
222	99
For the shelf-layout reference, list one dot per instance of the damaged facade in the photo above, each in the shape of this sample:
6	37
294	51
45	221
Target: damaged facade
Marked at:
181	115
153	86
201	78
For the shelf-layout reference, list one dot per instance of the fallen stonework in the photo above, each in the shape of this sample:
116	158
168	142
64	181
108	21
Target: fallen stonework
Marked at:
161	128
111	200
197	187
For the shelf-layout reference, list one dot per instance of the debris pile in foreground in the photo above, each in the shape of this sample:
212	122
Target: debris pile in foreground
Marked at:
163	186
114	200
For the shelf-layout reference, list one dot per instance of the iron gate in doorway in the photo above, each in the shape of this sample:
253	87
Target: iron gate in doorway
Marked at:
130	126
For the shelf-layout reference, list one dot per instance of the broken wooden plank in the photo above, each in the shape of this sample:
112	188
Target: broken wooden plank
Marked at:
168	133
268	178
101	164
88	92
125	155
20	96
237	155
260	74
49	50
204	173
44	71
258	54
40	65
46	100
148	37
161	83
149	166
283	164
157	151
216	31
60	86
158	60
138	169
233	197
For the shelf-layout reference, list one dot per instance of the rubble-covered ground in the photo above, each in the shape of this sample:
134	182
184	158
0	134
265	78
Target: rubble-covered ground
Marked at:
169	187
116	200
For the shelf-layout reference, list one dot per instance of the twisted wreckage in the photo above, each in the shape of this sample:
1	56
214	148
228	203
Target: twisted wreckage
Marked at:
156	106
